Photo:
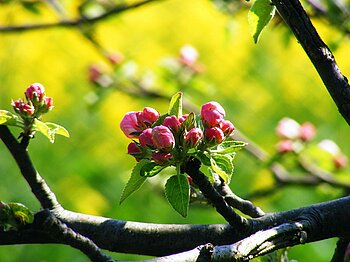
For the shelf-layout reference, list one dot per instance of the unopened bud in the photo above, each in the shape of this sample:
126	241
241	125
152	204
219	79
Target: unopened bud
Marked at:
163	138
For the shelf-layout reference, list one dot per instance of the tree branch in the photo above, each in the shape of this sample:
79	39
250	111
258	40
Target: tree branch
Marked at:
58	230
320	55
192	169
160	239
71	23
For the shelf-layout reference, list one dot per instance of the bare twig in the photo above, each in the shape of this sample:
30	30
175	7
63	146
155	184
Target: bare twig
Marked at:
192	169
77	22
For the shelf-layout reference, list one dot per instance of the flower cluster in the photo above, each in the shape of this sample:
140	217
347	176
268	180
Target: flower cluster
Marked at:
293	135
36	104
166	139
293	138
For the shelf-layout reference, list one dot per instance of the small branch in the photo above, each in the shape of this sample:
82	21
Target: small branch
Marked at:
192	169
37	184
72	23
245	206
320	55
57	230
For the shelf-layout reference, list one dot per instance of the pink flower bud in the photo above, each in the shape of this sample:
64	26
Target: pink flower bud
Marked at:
193	137
147	117
172	123
129	125
288	128
227	127
285	146
214	135
183	118
133	149
115	58
212	113
146	138
163	138
48	104
340	161
307	131
25	110
161	158
35	92
190	180
188	55
95	72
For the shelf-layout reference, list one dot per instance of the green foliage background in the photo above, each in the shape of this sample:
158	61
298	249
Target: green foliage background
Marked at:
256	84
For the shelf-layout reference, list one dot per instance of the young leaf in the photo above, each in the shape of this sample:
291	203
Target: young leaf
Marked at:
151	169
229	147
50	129
177	191
9	119
21	213
175	106
189	122
57	129
135	181
203	158
223	166
259	15
44	129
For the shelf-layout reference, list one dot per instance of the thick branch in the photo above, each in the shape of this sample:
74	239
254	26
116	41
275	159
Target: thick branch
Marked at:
160	240
58	230
322	58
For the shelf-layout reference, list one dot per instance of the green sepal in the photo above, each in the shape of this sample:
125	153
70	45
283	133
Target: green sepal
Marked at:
223	166
175	105
135	181
259	15
177	191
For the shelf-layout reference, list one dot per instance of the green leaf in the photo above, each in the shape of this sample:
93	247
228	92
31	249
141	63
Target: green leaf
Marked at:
135	181
229	147
9	119
223	166
151	169
57	129
175	106
50	129
259	15
177	191
21	213
203	158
